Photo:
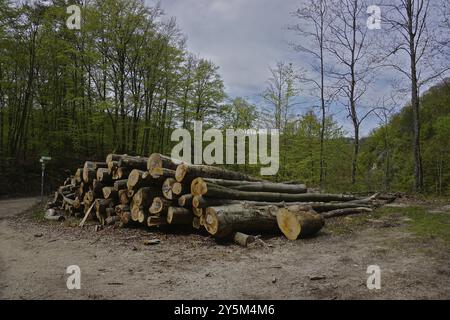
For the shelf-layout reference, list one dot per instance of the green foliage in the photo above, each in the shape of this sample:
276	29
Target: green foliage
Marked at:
392	144
121	83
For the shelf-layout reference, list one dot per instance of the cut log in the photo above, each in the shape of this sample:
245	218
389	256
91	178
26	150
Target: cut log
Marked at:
112	220
243	239
103	175
296	223
132	162
224	220
345	211
110	193
202	202
167	188
157	162
79	175
135	212
161	175
122	173
196	223
144	196
179	188
200	187
160	206
143	216
90	170
113	157
260	186
156	221
121	208
190	171
97	189
138	179
177	215
112	166
185	200
198	212
120	184
123	196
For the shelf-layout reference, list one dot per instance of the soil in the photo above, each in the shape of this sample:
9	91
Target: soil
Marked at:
116	264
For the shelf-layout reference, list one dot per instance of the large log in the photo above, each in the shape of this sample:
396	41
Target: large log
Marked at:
121	208
243	239
103	175
123	196
144	196
345	211
263	186
179	188
185	200
296	222
223	221
120	184
204	202
200	187
190	171
90	170
113	157
160	206
167	189
158	162
97	189
143	216
110	193
177	215
156	221
132	162
161	175
122	173
138	179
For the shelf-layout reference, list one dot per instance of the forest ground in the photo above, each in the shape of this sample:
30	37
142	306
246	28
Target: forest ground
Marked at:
409	241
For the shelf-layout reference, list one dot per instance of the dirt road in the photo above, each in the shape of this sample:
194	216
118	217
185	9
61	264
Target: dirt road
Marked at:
116	264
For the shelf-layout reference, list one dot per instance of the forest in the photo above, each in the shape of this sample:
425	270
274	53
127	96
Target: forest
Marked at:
125	80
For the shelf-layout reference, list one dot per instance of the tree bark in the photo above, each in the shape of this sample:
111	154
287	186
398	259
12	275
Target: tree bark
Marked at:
189	172
176	215
200	187
222	221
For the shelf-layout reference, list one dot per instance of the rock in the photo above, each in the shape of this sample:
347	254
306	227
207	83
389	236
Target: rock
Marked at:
317	277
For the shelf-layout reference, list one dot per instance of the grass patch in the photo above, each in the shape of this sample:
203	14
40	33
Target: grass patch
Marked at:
423	224
429	225
38	212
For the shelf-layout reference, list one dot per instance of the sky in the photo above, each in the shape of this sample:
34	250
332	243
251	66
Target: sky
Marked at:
246	37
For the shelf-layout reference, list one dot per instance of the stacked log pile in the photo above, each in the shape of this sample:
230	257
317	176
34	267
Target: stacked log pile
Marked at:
159	191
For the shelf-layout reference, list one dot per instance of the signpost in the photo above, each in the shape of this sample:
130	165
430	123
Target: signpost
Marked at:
43	160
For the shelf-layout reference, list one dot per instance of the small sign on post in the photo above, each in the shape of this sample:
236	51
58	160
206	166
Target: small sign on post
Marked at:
43	160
